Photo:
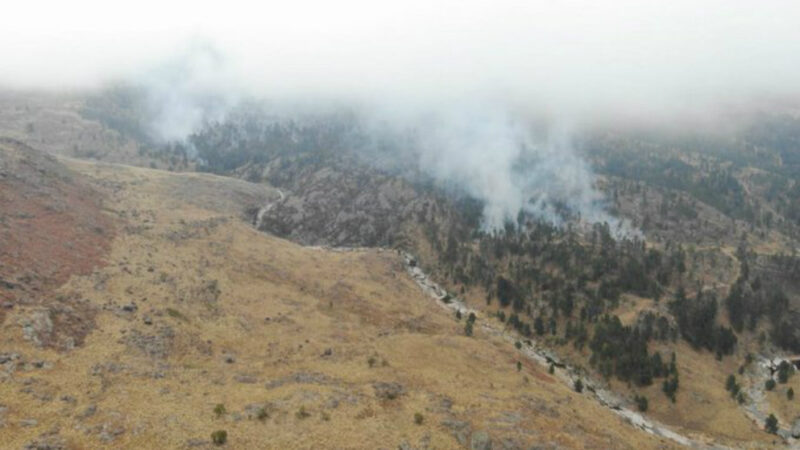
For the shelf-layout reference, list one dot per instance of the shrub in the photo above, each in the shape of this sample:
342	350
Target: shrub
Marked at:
219	410
771	425
790	394
519	366
418	418
641	403
219	437
302	413
785	370
730	383
770	384
578	385
262	414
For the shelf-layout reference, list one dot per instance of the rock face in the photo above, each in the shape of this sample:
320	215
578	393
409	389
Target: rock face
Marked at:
796	428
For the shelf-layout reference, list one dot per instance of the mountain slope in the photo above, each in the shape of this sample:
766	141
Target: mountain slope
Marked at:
304	347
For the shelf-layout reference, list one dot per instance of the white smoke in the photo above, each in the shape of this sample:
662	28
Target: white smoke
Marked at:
482	147
195	87
498	158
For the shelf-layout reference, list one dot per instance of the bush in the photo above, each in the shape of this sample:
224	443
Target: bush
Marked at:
578	385
219	410
790	394
732	386
641	403
418	418
262	414
519	366
770	384
771	425
219	437
785	370
468	329
302	413
730	383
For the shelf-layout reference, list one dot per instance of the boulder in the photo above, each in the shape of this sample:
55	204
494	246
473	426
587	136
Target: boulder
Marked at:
796	428
388	391
459	428
480	440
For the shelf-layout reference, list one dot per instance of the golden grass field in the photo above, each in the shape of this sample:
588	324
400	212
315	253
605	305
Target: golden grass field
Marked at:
227	315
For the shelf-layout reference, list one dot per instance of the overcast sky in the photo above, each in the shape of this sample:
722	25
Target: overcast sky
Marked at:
573	54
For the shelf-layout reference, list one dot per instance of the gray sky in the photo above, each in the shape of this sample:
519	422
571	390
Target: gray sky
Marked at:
570	55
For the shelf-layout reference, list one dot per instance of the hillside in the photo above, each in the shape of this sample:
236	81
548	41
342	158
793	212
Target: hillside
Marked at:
304	347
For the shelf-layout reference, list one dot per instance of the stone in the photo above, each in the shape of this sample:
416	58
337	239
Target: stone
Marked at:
459	428
388	391
480	440
88	412
796	428
246	379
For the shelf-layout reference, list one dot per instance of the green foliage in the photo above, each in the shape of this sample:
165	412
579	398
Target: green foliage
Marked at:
538	326
519	366
262	414
622	351
697	323
641	403
790	394
302	413
418	418
730	383
175	314
785	370
732	386
578	385
219	410
769	384
670	387
771	424
219	437
469	325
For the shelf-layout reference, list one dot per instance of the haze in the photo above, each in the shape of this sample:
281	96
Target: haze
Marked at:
480	69
579	55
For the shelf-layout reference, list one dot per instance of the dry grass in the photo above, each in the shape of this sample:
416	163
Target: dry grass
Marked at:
242	318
